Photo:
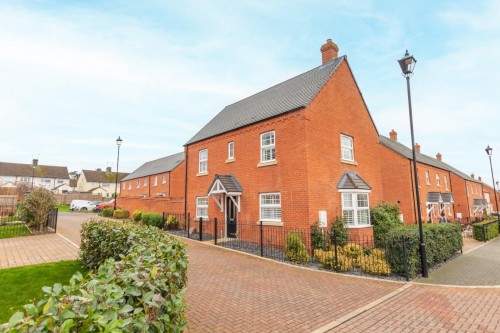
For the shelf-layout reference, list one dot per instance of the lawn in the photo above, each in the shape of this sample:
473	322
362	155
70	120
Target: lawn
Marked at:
20	285
63	208
9	231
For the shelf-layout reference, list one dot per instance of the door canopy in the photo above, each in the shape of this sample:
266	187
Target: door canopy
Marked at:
225	186
350	180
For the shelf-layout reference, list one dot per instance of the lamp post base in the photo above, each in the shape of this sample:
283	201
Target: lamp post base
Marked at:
423	258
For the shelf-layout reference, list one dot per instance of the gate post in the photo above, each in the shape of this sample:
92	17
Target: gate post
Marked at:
188	220
261	240
336	260
201	228
215	231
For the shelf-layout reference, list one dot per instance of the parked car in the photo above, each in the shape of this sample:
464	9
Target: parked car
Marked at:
82	205
103	205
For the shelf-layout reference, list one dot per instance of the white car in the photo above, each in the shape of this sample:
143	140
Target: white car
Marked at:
82	205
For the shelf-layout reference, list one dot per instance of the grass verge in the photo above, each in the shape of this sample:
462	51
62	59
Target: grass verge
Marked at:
9	231
20	285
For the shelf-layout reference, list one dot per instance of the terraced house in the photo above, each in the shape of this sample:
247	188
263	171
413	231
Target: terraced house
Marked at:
54	178
303	148
99	182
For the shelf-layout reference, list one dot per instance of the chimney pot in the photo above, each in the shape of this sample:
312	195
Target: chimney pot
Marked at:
472	175
98	169
393	135
417	147
479	178
439	157
329	51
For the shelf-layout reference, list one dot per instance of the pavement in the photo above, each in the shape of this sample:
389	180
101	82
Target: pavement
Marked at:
230	291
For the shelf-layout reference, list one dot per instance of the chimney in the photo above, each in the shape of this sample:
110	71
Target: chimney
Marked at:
471	175
439	157
417	147
98	169
479	178
329	51
393	135
108	169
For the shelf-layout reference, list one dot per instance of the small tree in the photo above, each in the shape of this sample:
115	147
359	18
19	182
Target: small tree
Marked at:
341	231
39	204
384	218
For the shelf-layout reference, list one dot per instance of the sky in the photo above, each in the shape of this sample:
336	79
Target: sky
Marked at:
75	75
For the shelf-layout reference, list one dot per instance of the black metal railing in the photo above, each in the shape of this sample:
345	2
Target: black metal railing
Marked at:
13	223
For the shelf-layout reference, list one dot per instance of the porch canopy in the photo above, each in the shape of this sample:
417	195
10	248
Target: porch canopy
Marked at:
350	180
479	205
438	202
225	186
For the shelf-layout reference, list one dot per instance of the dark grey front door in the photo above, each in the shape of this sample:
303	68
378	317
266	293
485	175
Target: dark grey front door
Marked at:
231	218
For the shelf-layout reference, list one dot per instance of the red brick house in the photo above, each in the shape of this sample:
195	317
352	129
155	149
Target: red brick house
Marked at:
156	186
304	147
442	188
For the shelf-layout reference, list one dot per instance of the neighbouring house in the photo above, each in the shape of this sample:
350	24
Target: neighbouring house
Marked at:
27	176
156	186
304	148
63	188
491	202
99	182
442	188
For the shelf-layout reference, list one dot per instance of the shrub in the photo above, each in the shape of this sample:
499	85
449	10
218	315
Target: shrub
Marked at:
482	231
107	212
39	204
137	216
373	265
384	218
317	236
339	231
172	222
327	260
121	214
441	240
352	250
142	292
295	250
152	219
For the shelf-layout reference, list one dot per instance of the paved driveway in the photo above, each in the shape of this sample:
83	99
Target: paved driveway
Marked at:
69	224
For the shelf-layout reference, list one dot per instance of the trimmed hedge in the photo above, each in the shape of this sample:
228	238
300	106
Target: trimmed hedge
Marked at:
152	219
483	231
121	214
441	241
137	216
107	212
142	292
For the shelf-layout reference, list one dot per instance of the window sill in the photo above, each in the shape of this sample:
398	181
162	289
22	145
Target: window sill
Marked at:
348	162
359	226
230	160
271	223
199	174
197	219
268	163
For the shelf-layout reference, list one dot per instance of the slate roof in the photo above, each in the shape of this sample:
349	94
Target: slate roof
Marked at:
422	158
350	180
164	164
229	182
290	95
26	170
93	176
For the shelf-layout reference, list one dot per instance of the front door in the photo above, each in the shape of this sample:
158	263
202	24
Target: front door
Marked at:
231	218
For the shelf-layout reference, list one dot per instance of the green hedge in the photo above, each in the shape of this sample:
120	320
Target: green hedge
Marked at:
142	292
152	219
137	216
441	241
483	231
107	212
121	214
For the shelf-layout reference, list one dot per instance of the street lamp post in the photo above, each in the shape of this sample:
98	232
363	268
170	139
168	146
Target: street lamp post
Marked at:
489	151
407	64
34	165
118	143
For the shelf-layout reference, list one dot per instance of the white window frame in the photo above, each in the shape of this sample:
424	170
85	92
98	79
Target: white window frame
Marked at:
268	149
446	182
203	161
346	150
202	207
130	185
124	186
355	208
438	180
138	183
276	206
155	181
427	178
164	178
230	150
145	183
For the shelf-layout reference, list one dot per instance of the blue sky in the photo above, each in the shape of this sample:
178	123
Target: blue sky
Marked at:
76	75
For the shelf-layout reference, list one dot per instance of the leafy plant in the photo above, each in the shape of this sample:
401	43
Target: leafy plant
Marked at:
317	236
137	216
339	232
373	265
483	231
295	250
384	218
39	204
121	214
172	222
107	212
152	219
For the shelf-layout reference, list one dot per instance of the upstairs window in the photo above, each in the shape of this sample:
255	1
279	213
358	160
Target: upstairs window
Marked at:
145	182
267	147
163	178
130	185
438	181
124	185
270	207
230	151
446	182
347	148
355	209
155	181
202	207
138	183
203	161
427	178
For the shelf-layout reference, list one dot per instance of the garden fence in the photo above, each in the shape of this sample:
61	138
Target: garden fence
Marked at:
13	224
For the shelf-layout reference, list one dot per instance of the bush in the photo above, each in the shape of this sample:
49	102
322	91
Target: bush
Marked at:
143	292
373	265
442	241
341	231
295	250
317	236
121	214
484	231
172	222
107	212
384	218
327	260
152	219
39	204
137	216
352	251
